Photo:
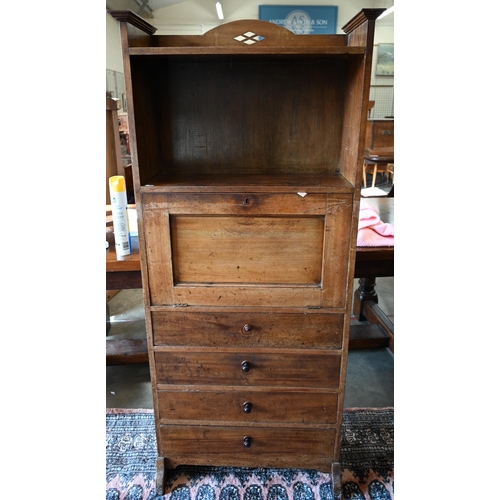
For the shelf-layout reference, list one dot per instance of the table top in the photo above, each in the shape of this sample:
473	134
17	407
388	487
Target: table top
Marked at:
132	262
379	155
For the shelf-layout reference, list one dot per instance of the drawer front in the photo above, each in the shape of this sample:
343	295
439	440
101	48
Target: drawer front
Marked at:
248	446
249	406
246	203
245	329
247	249
239	368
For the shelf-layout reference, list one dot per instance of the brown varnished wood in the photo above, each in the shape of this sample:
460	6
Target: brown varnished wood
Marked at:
374	314
126	351
300	447
380	136
285	368
367	336
312	329
259	183
247	164
158	255
160	474
246	203
247	130
249	406
121	280
270	247
371	262
133	20
236	50
336	481
257	250
274	36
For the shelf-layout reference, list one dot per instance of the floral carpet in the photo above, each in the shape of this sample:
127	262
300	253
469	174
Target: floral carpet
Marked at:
366	461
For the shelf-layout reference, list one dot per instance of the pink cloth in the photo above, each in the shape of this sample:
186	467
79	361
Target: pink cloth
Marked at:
372	232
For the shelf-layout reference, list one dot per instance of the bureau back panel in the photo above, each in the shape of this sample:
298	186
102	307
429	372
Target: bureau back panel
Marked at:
238	113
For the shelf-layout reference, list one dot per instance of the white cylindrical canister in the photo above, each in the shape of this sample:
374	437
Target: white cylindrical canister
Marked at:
118	195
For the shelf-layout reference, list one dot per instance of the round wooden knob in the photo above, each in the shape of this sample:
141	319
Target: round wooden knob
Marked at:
246	366
247	441
247	407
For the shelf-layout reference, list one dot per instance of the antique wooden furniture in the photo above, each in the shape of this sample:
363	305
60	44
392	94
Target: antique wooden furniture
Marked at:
113	151
380	134
371	263
379	153
247	148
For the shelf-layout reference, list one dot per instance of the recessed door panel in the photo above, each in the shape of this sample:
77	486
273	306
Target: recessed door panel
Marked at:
247	249
258	250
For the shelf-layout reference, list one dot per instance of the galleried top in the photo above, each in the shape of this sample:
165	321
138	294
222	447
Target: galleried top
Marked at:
247	35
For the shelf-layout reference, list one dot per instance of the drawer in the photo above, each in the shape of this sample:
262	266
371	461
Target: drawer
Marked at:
245	329
318	369
241	203
249	406
248	446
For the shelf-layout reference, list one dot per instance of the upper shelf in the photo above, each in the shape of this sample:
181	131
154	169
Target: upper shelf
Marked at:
224	50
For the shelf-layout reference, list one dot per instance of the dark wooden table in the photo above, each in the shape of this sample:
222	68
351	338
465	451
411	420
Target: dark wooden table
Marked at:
371	263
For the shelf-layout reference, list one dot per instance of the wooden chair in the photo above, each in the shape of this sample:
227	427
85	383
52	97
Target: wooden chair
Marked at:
377	168
390	171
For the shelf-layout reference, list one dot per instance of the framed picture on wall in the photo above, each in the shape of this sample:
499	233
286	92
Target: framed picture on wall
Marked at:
385	60
302	19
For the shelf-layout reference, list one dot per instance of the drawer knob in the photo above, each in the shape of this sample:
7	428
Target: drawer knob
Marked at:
246	366
247	407
247	328
247	441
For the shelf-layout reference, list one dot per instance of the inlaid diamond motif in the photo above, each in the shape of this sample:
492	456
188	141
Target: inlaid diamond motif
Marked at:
249	38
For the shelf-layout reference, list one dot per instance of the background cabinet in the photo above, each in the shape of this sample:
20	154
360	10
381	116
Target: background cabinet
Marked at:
247	147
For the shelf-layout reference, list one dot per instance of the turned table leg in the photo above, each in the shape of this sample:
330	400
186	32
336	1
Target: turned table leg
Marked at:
374	180
366	291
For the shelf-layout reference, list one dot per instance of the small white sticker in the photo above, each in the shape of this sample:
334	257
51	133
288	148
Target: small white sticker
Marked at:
302	194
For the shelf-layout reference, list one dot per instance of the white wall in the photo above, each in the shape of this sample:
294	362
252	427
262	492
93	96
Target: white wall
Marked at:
198	16
202	12
113	45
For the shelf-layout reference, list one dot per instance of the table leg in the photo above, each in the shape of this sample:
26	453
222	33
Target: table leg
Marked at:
374	175
366	291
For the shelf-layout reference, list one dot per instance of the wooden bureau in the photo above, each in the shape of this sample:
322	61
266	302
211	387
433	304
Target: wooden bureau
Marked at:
247	147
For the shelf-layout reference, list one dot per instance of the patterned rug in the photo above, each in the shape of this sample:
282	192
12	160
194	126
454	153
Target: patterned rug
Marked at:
366	461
